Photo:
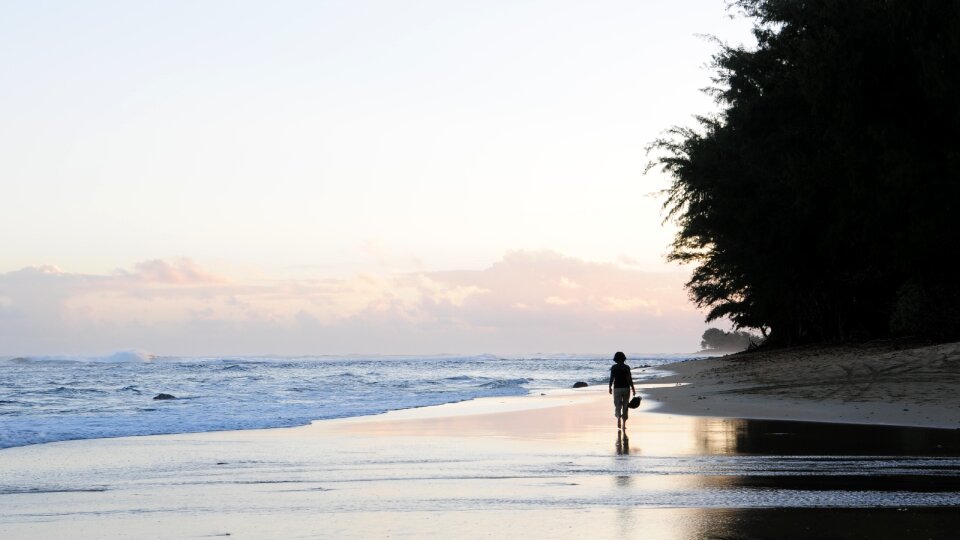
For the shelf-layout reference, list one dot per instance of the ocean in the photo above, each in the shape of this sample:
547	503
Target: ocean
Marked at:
57	398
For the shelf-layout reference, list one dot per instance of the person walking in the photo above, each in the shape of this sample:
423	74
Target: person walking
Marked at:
621	387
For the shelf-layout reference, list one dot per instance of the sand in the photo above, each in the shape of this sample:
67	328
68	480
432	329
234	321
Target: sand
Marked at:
869	384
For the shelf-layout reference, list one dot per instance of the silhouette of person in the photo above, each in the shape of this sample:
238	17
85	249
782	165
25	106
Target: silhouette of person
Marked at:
621	386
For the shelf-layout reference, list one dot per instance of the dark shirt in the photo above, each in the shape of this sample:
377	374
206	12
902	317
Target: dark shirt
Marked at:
620	376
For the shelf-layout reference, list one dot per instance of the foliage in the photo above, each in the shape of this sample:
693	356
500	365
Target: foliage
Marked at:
820	204
720	340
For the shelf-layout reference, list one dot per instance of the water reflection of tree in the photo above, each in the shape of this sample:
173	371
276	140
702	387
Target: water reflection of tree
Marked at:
715	436
814	438
824	523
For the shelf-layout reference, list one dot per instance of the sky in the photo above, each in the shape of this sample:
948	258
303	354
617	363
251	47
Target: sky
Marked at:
332	177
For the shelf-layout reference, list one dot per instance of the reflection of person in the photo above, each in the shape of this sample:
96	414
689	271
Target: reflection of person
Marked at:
623	443
621	386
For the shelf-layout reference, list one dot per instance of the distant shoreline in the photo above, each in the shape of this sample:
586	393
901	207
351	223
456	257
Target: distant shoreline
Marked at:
914	387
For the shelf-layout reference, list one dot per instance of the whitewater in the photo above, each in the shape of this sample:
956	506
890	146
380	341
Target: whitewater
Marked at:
56	398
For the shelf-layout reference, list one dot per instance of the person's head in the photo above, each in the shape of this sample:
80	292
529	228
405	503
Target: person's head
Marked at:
619	357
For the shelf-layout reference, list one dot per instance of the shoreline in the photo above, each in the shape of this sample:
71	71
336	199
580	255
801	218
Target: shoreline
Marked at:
843	385
552	465
883	386
914	387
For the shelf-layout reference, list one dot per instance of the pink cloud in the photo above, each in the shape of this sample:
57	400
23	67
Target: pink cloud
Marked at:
180	272
526	302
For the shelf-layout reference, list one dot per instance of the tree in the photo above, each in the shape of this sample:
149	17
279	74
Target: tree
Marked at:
715	339
820	202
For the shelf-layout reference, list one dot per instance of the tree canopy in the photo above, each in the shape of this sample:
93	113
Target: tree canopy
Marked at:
715	339
821	202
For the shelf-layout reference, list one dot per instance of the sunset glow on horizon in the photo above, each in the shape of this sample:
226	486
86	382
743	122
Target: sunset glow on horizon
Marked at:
339	177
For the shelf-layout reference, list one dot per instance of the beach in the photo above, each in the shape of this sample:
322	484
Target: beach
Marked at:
362	270
551	464
882	383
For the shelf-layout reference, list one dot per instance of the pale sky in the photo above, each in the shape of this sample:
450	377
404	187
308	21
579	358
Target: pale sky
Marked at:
310	161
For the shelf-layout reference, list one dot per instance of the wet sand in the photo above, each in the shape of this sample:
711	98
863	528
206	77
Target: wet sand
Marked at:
541	466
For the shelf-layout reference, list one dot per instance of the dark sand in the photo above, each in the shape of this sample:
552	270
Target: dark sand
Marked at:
879	383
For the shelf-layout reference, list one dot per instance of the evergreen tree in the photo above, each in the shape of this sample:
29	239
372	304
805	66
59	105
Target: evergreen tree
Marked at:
820	204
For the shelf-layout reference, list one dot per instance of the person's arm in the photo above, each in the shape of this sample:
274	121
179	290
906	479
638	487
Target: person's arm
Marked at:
610	385
630	373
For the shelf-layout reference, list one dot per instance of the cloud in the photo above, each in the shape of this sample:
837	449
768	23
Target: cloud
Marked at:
526	302
181	271
626	304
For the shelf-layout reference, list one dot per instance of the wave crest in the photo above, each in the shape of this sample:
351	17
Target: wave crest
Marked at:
130	355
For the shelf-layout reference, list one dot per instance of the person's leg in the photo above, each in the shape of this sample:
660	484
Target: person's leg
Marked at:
620	403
